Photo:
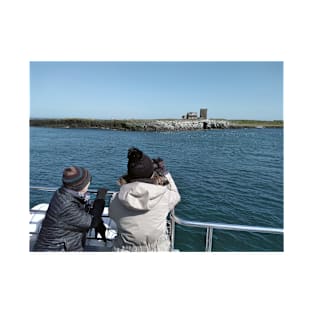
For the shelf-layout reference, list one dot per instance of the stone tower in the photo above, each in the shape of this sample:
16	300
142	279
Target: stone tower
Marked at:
204	113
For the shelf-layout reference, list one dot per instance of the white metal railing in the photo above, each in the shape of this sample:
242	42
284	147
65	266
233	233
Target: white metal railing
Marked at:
52	189
211	226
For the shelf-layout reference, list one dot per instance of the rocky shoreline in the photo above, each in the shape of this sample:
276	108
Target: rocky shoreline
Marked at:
182	125
153	125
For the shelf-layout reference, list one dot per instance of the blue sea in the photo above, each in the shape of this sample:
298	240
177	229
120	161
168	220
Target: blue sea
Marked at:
230	176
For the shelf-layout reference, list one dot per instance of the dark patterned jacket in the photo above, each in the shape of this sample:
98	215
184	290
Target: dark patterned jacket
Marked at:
65	224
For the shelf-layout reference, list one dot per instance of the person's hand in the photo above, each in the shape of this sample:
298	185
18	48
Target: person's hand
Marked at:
101	193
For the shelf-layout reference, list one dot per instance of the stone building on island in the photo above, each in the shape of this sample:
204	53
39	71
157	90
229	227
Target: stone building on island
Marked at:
191	116
194	116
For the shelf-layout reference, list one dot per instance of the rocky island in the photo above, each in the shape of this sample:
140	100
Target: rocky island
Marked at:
153	124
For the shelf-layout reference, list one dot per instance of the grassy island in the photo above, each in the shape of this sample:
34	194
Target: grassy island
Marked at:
257	123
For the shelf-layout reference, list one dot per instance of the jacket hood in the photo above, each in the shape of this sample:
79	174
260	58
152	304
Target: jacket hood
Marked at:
141	196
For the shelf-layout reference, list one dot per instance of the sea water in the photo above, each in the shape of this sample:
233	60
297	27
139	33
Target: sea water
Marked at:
230	176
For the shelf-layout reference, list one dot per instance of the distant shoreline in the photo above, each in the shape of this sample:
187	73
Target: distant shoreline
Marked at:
153	124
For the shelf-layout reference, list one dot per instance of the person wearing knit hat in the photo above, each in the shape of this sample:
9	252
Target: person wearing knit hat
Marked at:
67	221
140	209
76	178
139	166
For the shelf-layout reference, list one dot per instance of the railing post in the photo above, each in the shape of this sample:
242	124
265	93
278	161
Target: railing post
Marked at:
172	230
208	239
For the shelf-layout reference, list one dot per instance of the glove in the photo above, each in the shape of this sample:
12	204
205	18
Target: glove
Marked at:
101	193
160	166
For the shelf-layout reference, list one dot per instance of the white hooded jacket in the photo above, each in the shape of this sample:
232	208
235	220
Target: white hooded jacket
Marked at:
140	211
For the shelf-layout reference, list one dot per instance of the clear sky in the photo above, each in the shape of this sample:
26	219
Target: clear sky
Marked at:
105	90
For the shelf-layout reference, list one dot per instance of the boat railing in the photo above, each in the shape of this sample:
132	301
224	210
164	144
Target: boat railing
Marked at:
53	189
211	226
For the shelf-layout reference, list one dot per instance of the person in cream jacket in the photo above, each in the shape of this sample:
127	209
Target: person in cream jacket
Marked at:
140	209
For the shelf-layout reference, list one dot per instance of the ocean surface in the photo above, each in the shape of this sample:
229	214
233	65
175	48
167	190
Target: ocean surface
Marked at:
230	176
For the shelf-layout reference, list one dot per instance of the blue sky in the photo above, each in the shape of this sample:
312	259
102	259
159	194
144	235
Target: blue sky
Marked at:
105	90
